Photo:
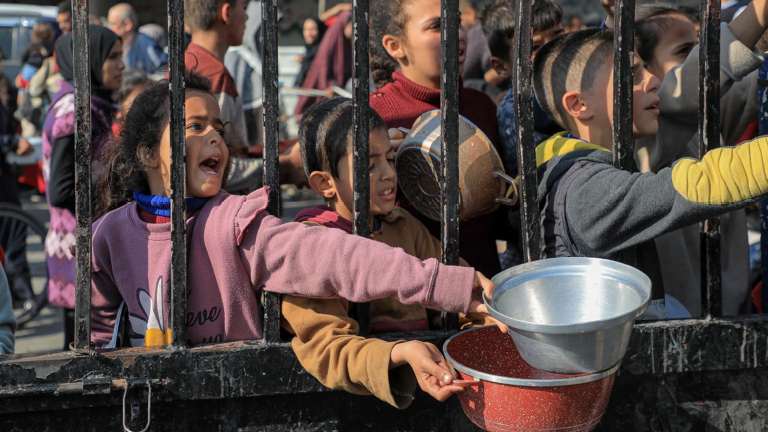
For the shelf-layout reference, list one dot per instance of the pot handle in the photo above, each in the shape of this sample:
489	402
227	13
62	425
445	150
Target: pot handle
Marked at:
511	192
465	383
404	130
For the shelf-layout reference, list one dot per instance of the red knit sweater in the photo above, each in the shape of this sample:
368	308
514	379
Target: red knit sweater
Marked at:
400	104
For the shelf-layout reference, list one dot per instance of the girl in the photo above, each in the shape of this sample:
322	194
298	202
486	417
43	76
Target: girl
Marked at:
59	155
327	340
405	65
667	40
235	248
313	31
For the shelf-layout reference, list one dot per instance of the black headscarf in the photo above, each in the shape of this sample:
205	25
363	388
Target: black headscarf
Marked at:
309	56
101	42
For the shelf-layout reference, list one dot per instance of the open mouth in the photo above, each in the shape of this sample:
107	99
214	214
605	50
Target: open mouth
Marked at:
210	165
653	108
388	194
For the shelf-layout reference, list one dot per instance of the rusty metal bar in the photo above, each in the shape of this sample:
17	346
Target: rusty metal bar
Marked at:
86	387
362	183
526	157
178	174
624	46
623	140
449	124
271	165
709	136
81	47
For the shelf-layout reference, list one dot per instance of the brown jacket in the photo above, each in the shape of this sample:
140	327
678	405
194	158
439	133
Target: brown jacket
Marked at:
327	341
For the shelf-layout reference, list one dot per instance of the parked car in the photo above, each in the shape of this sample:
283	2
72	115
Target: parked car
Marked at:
16	22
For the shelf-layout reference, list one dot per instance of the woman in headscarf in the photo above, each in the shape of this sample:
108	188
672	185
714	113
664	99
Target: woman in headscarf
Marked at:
313	30
106	67
333	61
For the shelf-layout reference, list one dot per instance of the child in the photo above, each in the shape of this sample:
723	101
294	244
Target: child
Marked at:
405	65
235	248
667	40
217	25
499	27
36	52
328	344
590	208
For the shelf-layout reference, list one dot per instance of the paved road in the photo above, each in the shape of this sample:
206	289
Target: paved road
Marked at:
45	333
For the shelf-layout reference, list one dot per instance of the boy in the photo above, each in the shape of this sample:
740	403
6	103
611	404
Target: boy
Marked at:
327	341
498	21
215	26
590	208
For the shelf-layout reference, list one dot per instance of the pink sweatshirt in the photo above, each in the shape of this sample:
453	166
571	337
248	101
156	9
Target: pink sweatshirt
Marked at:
235	249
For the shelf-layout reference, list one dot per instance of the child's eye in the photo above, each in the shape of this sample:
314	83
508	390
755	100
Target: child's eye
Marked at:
391	160
193	126
435	25
370	167
220	131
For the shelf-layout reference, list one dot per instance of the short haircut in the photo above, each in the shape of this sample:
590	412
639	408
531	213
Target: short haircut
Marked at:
498	21
126	11
326	133
651	21
201	14
65	6
569	63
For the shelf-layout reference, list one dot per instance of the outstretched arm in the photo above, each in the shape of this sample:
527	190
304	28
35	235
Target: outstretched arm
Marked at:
328	346
608	210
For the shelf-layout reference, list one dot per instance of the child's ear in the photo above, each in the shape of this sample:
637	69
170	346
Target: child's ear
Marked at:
575	107
147	156
393	46
322	183
501	67
225	11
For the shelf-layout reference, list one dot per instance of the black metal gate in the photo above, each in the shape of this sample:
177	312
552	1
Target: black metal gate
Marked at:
687	375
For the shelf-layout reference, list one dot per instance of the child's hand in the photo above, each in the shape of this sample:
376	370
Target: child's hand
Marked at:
396	137
433	373
483	286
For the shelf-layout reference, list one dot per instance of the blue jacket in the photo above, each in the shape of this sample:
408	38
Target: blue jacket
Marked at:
146	55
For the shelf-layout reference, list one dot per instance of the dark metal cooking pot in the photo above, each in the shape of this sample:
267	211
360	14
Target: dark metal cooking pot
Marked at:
482	182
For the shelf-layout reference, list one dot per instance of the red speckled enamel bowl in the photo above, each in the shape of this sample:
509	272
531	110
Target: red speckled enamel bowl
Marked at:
504	393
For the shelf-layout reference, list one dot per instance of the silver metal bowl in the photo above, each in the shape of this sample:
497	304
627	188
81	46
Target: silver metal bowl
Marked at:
570	315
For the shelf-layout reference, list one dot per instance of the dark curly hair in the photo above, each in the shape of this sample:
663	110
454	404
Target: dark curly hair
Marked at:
388	18
142	128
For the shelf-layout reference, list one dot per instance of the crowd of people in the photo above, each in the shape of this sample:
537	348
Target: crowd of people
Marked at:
236	249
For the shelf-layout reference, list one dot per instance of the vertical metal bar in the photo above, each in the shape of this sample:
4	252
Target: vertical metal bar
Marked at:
271	165
709	135
523	70
449	123
623	140
81	47
624	44
178	175
362	183
763	98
